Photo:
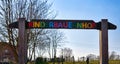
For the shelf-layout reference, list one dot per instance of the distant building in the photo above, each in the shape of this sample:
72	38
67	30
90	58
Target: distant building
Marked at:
7	53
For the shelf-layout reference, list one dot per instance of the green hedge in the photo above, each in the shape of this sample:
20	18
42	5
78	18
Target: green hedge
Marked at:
40	60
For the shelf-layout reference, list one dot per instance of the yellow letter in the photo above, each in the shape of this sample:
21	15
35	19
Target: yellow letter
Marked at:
36	24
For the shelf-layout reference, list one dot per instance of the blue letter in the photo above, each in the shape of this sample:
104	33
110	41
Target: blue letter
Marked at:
69	24
51	25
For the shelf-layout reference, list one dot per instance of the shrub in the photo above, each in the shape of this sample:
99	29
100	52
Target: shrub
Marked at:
40	60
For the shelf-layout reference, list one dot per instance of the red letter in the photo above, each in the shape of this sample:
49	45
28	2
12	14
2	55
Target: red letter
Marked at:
30	24
65	24
55	25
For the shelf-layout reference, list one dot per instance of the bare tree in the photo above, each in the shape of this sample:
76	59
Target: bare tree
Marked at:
82	58
57	38
38	43
10	10
98	58
7	17
67	53
112	55
91	56
117	57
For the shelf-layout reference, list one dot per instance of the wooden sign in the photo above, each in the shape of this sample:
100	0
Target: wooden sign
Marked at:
62	24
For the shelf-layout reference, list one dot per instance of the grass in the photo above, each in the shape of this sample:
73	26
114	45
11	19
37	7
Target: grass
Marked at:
91	62
114	62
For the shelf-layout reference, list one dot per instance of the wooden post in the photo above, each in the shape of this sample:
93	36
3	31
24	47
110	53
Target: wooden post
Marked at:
104	42
22	42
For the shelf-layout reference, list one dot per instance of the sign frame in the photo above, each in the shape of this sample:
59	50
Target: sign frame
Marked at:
102	26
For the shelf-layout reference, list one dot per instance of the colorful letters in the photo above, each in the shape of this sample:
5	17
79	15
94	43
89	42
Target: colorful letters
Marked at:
61	24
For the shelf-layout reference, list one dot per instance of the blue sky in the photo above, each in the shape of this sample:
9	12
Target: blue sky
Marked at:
85	42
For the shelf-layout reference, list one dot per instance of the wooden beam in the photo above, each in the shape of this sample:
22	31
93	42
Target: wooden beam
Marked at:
104	42
22	42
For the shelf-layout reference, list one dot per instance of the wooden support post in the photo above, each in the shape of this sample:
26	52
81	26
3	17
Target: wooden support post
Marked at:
104	42
22	42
